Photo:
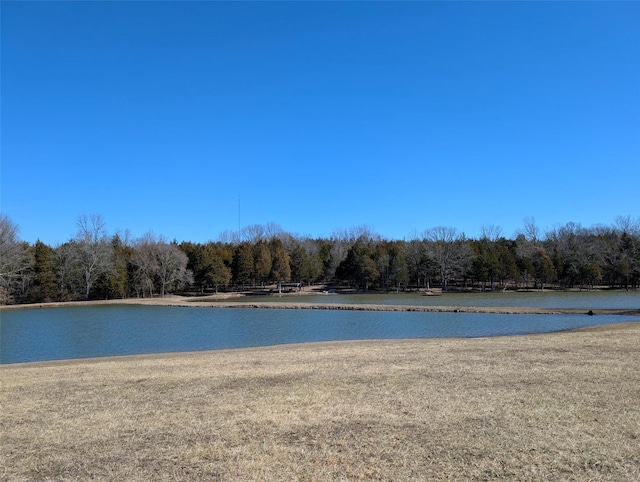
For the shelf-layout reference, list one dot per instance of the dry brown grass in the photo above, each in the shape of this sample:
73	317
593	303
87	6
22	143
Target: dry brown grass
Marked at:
545	407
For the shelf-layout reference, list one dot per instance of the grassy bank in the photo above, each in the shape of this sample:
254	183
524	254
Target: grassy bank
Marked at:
562	406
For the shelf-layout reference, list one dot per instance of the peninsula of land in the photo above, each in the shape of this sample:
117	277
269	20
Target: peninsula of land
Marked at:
293	301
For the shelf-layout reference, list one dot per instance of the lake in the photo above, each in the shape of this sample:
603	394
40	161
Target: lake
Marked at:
28	335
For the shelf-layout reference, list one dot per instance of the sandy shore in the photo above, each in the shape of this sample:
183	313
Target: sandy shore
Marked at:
556	407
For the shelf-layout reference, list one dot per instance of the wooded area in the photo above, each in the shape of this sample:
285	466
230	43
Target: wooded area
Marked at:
94	264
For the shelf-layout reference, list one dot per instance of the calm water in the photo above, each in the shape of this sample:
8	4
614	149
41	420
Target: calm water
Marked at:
82	332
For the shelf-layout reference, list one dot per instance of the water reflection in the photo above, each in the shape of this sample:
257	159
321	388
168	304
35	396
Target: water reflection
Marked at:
81	332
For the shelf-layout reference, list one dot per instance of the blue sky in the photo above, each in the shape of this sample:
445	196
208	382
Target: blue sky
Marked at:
318	116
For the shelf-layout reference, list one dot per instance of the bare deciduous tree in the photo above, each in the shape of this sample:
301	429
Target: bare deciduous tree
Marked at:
531	231
171	266
93	250
14	259
160	264
628	225
491	232
449	250
10	248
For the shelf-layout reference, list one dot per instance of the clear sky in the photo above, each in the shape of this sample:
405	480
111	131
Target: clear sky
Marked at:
318	116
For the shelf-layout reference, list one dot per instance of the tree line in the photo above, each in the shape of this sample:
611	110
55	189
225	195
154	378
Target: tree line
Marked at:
94	264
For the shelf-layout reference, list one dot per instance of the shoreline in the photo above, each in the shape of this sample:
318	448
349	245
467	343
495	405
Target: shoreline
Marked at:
222	301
